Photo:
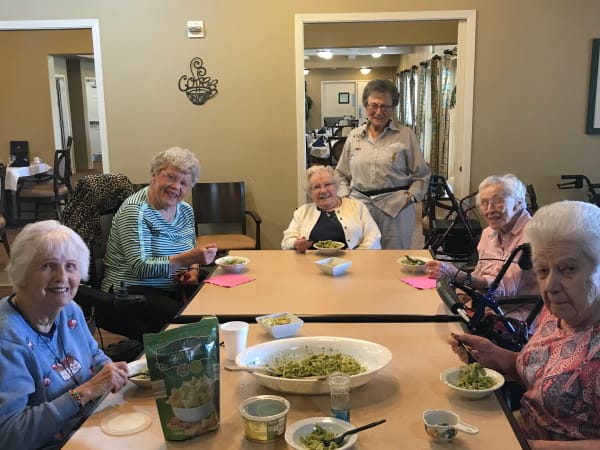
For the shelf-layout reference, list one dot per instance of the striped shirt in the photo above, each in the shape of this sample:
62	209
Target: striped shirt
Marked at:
141	241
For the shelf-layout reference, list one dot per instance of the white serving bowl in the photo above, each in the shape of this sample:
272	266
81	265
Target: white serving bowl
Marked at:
304	427
139	366
335	248
412	268
283	330
193	414
333	266
450	378
372	356
232	264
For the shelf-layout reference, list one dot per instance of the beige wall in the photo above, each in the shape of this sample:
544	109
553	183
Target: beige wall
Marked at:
531	87
25	110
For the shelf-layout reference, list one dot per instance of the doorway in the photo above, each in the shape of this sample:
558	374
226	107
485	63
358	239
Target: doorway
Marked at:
460	169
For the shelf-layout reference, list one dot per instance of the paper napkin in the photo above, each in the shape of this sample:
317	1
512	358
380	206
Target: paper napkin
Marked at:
229	280
422	282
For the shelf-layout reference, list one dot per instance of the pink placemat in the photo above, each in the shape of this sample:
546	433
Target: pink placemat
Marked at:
229	280
422	282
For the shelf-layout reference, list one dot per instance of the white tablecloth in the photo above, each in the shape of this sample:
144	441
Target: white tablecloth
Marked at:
14	173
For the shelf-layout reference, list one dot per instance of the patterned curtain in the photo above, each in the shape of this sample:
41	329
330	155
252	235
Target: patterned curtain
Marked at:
402	103
422	73
435	162
413	97
446	87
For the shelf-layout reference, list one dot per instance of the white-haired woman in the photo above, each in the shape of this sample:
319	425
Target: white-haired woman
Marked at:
501	200
330	217
560	365
152	243
51	366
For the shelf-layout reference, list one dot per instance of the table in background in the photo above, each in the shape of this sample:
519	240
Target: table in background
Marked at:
12	180
399	393
289	281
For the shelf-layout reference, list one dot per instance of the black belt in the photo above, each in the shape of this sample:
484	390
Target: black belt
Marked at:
383	191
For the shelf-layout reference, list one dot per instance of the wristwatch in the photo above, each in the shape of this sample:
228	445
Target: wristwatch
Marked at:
412	198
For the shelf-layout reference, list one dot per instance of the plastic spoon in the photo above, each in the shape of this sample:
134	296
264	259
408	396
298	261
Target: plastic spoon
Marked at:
340	439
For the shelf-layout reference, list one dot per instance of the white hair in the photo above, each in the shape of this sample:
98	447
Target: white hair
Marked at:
570	221
50	237
511	185
313	170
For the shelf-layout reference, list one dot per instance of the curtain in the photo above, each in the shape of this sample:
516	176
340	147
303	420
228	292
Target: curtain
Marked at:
422	73
413	96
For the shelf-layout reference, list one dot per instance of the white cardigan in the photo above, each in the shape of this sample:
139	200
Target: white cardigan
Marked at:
359	227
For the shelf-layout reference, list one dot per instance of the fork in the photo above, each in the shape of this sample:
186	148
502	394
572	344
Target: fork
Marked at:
340	439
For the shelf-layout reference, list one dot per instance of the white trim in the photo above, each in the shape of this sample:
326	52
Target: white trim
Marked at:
94	25
466	47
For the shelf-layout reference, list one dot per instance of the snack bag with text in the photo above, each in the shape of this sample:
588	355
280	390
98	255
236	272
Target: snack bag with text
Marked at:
184	368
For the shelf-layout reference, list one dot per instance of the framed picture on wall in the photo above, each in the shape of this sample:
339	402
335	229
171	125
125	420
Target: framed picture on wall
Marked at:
593	116
343	97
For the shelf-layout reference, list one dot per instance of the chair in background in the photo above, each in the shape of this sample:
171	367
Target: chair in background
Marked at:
3	235
53	192
532	205
336	146
222	207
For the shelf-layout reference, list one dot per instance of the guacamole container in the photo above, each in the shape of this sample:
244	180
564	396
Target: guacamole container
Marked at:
264	417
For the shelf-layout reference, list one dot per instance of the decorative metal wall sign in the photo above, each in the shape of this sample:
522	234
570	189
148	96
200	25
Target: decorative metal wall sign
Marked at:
198	88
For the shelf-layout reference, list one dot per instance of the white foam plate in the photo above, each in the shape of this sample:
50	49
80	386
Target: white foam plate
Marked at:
125	424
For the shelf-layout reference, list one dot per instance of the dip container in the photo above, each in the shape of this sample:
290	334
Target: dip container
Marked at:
264	417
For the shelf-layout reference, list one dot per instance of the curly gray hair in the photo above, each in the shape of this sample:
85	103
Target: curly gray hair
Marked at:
381	87
313	170
49	237
511	185
181	158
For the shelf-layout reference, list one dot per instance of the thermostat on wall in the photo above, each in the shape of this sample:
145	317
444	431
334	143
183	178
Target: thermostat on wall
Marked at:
195	28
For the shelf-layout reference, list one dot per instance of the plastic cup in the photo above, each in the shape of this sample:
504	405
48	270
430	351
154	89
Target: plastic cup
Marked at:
235	335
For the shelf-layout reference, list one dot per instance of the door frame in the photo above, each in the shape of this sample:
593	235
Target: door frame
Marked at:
465	80
94	26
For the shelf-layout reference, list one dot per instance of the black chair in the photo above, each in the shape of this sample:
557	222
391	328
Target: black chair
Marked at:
221	208
336	146
532	205
3	235
53	192
450	226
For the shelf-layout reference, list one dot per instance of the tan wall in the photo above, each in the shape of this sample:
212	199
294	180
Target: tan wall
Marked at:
25	110
531	87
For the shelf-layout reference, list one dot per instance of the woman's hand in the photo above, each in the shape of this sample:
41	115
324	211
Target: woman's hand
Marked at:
485	352
437	269
111	378
302	244
188	277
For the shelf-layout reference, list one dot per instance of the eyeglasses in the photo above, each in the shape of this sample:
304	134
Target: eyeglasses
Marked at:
174	179
493	202
318	187
373	107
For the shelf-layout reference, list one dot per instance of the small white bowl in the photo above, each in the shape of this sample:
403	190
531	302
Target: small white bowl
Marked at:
450	378
139	366
280	330
333	266
304	427
413	269
232	264
334	248
193	414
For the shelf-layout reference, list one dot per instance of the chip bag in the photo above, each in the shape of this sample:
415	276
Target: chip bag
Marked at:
184	368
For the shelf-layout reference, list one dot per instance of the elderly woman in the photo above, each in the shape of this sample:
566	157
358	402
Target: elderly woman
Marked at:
330	217
152	243
560	365
383	167
501	200
51	365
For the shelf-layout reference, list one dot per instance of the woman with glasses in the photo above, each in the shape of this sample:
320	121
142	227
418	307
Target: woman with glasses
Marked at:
152	243
383	167
501	200
329	217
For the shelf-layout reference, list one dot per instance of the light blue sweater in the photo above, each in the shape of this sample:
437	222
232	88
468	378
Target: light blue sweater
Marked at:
36	409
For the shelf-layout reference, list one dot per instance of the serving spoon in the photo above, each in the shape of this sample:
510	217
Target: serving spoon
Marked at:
340	439
270	371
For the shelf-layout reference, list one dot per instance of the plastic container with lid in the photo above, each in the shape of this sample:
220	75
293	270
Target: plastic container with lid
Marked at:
264	417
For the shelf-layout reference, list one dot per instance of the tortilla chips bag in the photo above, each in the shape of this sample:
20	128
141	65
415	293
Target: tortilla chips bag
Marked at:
184	368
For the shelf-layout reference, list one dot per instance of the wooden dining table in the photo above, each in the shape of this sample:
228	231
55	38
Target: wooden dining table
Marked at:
398	393
283	280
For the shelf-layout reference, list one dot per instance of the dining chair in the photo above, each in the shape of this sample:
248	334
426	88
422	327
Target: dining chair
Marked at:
52	192
336	147
220	214
3	235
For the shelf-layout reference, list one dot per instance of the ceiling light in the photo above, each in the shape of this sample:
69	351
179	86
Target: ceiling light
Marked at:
325	54
365	70
382	47
376	55
306	71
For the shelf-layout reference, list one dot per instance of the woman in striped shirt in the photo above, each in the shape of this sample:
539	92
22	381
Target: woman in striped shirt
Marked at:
152	243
